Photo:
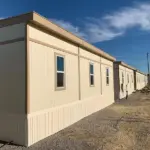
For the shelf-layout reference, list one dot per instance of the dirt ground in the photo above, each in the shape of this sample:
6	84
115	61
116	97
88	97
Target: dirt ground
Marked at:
124	125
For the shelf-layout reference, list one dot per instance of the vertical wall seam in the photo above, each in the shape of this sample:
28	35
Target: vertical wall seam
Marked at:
26	87
118	81
79	83
27	69
101	76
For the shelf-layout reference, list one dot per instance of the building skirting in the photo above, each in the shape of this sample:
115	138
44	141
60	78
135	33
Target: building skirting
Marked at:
45	123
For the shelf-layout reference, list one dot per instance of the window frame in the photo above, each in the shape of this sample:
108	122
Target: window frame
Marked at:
56	72
90	74
107	76
122	77
128	78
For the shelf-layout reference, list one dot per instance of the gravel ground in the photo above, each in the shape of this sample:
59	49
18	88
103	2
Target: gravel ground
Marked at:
124	125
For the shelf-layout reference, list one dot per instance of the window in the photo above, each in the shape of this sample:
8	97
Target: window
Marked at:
122	82
91	74
107	76
131	81
128	78
122	78
60	72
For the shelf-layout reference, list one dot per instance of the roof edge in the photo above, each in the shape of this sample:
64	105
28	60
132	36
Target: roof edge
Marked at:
47	24
130	67
125	65
141	72
16	19
43	22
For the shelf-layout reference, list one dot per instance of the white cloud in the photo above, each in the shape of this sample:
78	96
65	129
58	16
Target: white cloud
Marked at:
97	31
111	25
130	16
91	31
69	27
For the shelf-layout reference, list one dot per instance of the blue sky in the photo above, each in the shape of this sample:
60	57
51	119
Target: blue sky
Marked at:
119	27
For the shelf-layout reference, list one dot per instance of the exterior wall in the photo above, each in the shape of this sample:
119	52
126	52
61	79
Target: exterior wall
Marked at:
51	110
131	80
109	98
12	86
88	91
135	81
122	69
12	78
121	93
116	82
43	94
49	39
45	123
41	63
140	79
12	32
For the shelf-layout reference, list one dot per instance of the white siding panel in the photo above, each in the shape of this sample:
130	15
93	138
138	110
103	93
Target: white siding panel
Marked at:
52	40
40	126
130	85
107	62
89	55
42	78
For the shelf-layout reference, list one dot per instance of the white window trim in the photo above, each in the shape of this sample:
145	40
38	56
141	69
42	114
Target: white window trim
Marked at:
91	74
56	71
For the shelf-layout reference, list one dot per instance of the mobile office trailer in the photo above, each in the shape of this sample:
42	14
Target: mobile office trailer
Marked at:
141	80
49	79
124	82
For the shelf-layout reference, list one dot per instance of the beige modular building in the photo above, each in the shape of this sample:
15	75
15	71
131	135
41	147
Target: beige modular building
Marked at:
124	80
141	80
127	80
49	79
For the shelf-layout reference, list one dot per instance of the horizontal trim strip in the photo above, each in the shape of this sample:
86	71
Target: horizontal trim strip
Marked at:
51	46
63	50
12	41
52	108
